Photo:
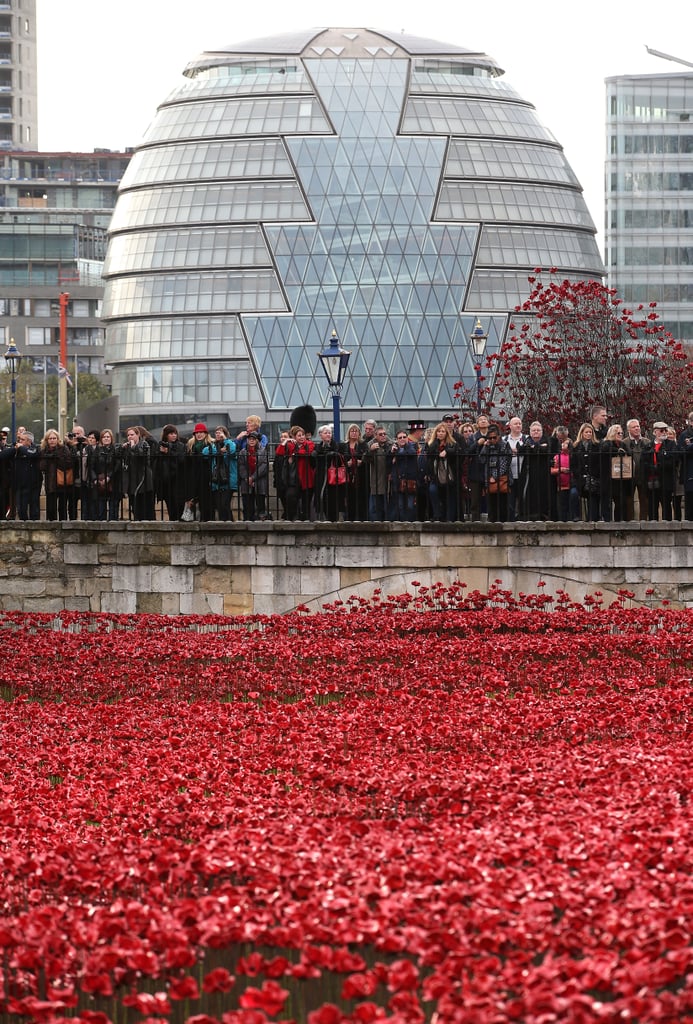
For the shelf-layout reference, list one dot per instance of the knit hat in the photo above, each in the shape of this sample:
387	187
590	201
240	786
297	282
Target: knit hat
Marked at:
200	428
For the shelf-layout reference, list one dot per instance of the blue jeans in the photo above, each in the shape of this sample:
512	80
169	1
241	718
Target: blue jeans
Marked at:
377	510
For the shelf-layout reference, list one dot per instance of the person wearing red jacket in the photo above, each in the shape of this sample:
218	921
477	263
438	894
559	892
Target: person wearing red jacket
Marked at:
298	475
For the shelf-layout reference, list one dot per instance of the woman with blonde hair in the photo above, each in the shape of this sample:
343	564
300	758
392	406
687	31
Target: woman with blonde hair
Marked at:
441	451
57	464
586	467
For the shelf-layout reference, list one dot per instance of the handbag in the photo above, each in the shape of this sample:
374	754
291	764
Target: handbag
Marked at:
336	474
591	484
103	485
408	486
622	467
499	485
64	477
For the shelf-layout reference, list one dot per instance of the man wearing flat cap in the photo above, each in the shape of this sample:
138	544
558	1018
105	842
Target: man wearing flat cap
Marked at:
660	472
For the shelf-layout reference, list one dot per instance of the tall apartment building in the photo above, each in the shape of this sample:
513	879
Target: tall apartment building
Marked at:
54	212
18	78
649	194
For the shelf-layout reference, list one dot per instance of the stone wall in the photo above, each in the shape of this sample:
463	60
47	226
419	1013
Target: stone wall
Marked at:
240	568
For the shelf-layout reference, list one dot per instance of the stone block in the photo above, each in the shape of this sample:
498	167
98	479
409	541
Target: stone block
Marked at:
133	578
310	555
231	555
128	554
396	557
170	604
188	554
483	555
644	557
353	577
44	604
217	580
81	554
150	604
317	581
274	604
238	604
119	603
543	557
266	554
201	604
169	578
349	555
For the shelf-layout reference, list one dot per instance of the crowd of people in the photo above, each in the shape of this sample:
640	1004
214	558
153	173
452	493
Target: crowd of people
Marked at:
452	471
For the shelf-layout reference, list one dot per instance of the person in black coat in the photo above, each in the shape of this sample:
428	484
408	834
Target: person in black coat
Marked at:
330	491
169	470
586	469
661	463
136	474
27	476
537	467
496	458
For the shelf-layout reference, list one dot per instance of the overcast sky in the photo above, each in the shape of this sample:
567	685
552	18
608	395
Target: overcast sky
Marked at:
104	67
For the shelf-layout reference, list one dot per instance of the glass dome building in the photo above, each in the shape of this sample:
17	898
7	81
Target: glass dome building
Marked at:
390	188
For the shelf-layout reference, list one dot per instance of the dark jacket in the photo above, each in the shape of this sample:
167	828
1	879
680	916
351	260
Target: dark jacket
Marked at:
496	459
661	464
135	468
257	482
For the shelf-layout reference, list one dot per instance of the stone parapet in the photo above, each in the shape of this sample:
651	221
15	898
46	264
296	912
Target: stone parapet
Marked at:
242	568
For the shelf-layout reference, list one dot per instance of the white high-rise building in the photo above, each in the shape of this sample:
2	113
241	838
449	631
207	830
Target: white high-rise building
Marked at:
18	78
649	194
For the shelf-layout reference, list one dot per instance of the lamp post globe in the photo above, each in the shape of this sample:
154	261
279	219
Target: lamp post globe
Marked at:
334	361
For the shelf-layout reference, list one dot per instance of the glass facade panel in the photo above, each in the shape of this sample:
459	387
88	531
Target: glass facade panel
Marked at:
498	202
181	338
500	246
237	158
217	292
438	116
240	201
185	385
483	158
187	247
273	116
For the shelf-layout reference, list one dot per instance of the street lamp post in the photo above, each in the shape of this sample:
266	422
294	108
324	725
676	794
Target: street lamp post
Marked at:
478	340
12	361
334	361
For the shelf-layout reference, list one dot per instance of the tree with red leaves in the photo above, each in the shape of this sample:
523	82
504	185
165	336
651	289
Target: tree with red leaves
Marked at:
573	345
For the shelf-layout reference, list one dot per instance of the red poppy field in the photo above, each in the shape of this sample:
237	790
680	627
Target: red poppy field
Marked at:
442	807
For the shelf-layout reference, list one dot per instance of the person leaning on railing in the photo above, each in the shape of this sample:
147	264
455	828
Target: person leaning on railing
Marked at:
169	465
353	451
223	473
330	490
404	479
567	495
636	444
104	473
615	462
379	475
495	458
298	475
586	466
